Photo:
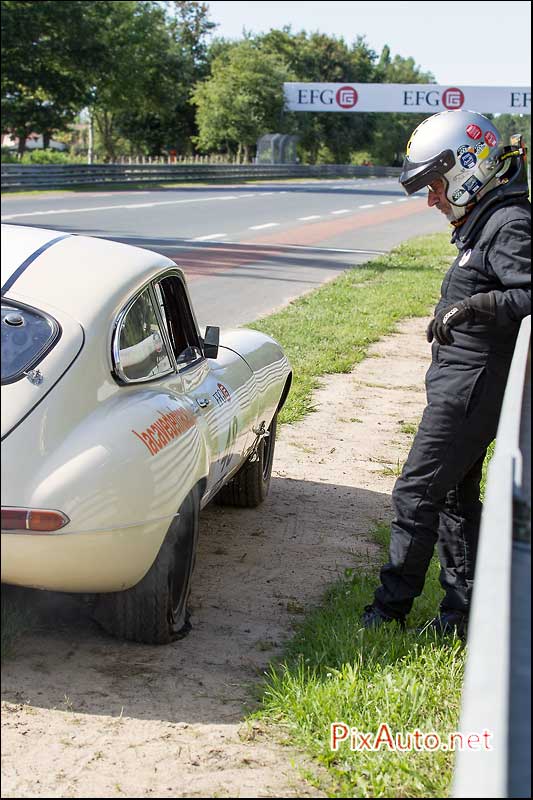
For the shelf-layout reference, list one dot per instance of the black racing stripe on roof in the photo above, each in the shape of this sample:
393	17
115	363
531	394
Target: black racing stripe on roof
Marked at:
25	264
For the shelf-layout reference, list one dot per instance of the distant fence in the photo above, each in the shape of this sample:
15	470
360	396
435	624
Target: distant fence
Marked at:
497	685
54	176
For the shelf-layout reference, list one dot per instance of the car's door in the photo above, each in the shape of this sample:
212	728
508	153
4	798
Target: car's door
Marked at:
213	392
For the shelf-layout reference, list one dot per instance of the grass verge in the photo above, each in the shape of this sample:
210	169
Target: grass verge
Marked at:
330	329
335	671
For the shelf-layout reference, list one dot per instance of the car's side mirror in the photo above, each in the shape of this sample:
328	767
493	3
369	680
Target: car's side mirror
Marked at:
211	340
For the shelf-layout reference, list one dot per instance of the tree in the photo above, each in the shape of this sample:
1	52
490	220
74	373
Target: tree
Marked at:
392	131
133	62
241	100
508	124
317	57
47	56
162	45
135	78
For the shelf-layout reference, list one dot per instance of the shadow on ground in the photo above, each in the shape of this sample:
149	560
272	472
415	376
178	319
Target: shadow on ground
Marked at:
257	569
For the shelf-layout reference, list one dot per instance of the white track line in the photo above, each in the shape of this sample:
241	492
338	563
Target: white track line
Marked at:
302	247
207	238
116	207
266	225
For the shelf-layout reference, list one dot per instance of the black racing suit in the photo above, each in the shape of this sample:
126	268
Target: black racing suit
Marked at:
437	498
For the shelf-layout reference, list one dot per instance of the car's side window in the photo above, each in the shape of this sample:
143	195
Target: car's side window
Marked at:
177	317
142	353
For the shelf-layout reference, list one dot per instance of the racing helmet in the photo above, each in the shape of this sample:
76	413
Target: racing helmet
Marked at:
462	147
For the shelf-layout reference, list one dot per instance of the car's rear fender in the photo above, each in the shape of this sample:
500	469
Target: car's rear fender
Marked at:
124	463
133	458
268	363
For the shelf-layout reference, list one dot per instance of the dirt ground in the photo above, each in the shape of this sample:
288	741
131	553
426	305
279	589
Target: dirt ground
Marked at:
84	715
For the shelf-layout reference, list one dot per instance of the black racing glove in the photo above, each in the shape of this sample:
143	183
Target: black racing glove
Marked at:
478	308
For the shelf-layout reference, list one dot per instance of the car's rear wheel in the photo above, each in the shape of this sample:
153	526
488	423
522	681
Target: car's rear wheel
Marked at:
154	611
249	487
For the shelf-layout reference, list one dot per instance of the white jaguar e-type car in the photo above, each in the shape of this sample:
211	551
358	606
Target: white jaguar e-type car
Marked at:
119	423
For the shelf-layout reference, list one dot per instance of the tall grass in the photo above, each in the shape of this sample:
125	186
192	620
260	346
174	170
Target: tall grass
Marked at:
336	671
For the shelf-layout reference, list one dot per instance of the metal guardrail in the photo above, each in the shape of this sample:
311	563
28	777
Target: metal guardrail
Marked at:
497	685
53	176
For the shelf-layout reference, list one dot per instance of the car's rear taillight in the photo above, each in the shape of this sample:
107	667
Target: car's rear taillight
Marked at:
36	520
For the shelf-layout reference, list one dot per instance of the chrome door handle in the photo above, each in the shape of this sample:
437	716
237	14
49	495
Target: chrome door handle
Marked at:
203	402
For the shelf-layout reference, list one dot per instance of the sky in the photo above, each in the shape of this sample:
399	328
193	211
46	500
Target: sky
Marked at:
463	43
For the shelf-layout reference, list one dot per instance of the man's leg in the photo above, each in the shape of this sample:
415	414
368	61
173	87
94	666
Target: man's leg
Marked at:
450	440
458	539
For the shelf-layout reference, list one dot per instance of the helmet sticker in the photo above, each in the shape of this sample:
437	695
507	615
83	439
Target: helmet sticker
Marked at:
464	148
468	160
472	185
482	151
491	139
474	131
465	258
458	193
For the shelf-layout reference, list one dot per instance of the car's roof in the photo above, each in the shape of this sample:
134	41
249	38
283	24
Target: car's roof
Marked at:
83	276
19	243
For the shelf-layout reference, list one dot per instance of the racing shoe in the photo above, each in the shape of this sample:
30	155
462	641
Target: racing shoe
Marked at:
373	618
447	623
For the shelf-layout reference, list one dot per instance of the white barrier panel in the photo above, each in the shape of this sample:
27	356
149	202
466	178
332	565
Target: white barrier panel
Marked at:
399	97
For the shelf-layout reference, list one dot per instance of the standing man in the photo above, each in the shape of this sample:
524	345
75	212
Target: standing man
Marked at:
481	186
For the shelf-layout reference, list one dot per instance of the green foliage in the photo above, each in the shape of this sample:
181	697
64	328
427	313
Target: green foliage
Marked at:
50	157
392	131
132	62
241	100
158	52
508	124
154	81
8	157
334	670
323	138
361	157
322	58
325	155
48	52
490	453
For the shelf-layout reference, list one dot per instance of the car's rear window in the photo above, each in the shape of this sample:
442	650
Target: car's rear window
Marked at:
27	335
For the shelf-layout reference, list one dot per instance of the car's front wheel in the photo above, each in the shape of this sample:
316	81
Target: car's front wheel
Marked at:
154	611
250	485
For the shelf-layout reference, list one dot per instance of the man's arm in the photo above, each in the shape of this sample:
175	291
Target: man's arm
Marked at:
509	257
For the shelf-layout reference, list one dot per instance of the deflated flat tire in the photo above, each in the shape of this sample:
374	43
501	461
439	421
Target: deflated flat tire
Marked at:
154	611
249	487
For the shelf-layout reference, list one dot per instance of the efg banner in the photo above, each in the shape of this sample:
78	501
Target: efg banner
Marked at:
399	97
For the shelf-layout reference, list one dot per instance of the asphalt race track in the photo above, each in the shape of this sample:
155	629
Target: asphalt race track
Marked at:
245	249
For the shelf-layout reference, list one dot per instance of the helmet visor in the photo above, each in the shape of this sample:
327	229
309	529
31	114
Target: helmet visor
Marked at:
415	176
